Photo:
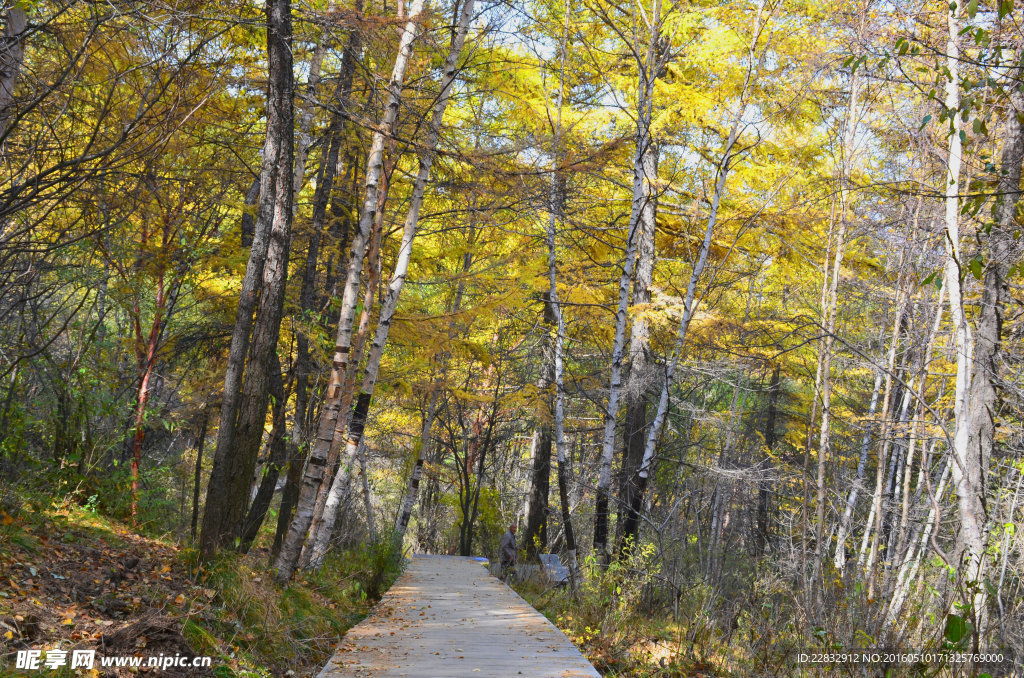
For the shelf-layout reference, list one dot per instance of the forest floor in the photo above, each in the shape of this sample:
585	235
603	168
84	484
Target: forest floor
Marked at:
71	579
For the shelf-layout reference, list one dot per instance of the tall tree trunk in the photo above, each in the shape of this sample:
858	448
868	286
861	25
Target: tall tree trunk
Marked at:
358	343
970	505
12	56
559	419
390	304
228	488
277	457
258	383
632	521
422	453
647	74
200	444
830	293
761	536
330	165
345	408
556	202
971	472
640	369
535	531
291	549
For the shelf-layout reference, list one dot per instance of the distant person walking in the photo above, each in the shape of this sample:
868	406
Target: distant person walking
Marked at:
508	552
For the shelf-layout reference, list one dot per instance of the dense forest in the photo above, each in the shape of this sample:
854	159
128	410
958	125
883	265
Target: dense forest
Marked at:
717	300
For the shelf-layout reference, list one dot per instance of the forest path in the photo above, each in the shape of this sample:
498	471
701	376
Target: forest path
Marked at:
446	617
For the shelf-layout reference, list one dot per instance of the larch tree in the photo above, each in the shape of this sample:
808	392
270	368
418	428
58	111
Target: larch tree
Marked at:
234	458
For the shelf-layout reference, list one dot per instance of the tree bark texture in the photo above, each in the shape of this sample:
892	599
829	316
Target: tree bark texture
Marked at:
389	305
291	548
227	492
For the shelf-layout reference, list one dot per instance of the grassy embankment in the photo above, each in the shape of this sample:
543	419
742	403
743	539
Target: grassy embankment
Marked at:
72	578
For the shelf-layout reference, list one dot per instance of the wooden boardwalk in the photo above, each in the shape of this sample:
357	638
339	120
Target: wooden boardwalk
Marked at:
446	617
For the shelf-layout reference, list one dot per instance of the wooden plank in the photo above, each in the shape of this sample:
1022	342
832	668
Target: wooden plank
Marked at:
446	617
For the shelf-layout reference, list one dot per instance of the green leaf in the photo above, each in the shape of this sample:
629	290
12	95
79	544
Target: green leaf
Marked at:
924	122
976	267
956	628
972	8
1005	7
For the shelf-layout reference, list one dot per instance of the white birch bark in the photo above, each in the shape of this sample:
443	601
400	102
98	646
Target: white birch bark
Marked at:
313	476
1000	249
423	451
390	303
690	301
559	419
554	203
839	557
912	561
641	194
355	358
970	540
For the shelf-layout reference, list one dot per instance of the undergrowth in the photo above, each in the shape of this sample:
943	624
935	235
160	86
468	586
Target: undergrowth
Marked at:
75	578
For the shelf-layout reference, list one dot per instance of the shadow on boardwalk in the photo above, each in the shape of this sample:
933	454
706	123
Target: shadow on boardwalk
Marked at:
446	617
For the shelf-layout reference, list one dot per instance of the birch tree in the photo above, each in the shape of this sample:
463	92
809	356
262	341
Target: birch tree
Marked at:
690	301
979	408
649	64
292	545
555	202
390	304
